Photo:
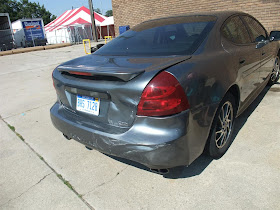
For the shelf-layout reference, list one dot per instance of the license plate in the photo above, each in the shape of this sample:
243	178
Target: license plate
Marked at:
88	104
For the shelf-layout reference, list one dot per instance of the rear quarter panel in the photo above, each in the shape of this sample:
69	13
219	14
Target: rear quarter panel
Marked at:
205	79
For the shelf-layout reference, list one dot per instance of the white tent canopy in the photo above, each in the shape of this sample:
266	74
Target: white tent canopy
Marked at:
108	21
75	25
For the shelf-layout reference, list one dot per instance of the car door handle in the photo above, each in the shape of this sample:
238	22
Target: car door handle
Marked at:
241	61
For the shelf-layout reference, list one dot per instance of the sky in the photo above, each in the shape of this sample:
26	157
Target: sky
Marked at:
58	7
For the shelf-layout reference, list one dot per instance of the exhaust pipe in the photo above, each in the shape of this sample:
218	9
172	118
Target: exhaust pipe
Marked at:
160	171
67	137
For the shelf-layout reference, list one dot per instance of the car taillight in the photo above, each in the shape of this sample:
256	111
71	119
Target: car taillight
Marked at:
162	96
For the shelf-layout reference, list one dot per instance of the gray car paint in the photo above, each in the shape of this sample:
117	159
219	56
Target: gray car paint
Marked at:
159	142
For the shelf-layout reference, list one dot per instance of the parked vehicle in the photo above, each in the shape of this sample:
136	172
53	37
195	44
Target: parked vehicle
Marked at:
29	32
6	33
168	89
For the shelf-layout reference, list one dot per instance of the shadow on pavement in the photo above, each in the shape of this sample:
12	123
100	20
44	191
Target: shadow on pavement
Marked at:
198	166
241	120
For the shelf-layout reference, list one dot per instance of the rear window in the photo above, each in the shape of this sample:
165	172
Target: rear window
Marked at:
172	36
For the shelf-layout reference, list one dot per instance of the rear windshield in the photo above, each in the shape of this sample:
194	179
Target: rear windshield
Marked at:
172	36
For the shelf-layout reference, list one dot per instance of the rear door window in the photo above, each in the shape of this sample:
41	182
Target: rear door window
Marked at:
258	33
235	31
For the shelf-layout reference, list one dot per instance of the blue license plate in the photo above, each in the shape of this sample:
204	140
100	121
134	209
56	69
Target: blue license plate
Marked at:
88	104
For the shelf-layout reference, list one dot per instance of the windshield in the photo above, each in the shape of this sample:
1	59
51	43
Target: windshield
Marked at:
172	36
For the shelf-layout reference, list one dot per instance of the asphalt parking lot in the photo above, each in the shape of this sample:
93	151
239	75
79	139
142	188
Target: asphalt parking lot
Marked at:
40	169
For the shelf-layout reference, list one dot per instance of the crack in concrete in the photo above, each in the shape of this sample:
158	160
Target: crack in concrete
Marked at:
53	171
27	189
107	182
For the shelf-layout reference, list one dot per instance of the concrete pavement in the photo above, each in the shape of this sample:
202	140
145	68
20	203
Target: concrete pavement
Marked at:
26	182
246	177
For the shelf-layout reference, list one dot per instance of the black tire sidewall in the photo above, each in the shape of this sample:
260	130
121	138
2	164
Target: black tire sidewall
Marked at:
213	150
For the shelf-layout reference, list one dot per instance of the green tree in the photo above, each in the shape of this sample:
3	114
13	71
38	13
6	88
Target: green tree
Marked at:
25	9
97	10
109	13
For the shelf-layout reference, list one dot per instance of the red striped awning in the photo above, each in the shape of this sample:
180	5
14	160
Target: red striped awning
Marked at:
73	17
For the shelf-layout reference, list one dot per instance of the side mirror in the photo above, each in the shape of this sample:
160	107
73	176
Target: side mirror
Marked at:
93	49
261	41
274	36
260	38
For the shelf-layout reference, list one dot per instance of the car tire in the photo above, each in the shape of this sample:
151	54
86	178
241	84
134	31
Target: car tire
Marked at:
274	77
220	136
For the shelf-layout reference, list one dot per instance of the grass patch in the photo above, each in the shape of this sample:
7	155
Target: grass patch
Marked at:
12	127
65	181
20	136
14	130
69	186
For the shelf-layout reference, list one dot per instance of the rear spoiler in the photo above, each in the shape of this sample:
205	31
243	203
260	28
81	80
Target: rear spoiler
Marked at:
124	74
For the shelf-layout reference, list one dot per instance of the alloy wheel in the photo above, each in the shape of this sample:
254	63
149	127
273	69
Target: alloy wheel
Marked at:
275	71
224	125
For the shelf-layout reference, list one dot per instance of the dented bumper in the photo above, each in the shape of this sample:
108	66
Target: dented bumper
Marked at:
153	142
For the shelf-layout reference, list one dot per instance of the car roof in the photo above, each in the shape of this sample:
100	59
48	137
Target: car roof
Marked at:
221	15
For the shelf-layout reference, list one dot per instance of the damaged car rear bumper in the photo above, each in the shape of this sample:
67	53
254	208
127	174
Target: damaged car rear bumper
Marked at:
147	141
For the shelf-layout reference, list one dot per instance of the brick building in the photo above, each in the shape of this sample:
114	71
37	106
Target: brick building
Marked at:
132	12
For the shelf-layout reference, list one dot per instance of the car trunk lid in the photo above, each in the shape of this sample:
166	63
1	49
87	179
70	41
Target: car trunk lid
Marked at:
117	82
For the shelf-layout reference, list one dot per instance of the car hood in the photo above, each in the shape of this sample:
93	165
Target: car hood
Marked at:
122	67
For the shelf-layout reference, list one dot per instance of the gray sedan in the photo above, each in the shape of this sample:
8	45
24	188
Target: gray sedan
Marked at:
168	89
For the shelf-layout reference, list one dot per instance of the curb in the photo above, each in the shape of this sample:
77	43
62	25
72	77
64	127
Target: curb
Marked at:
30	49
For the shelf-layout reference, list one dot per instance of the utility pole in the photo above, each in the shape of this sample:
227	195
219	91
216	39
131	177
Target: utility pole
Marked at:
94	34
